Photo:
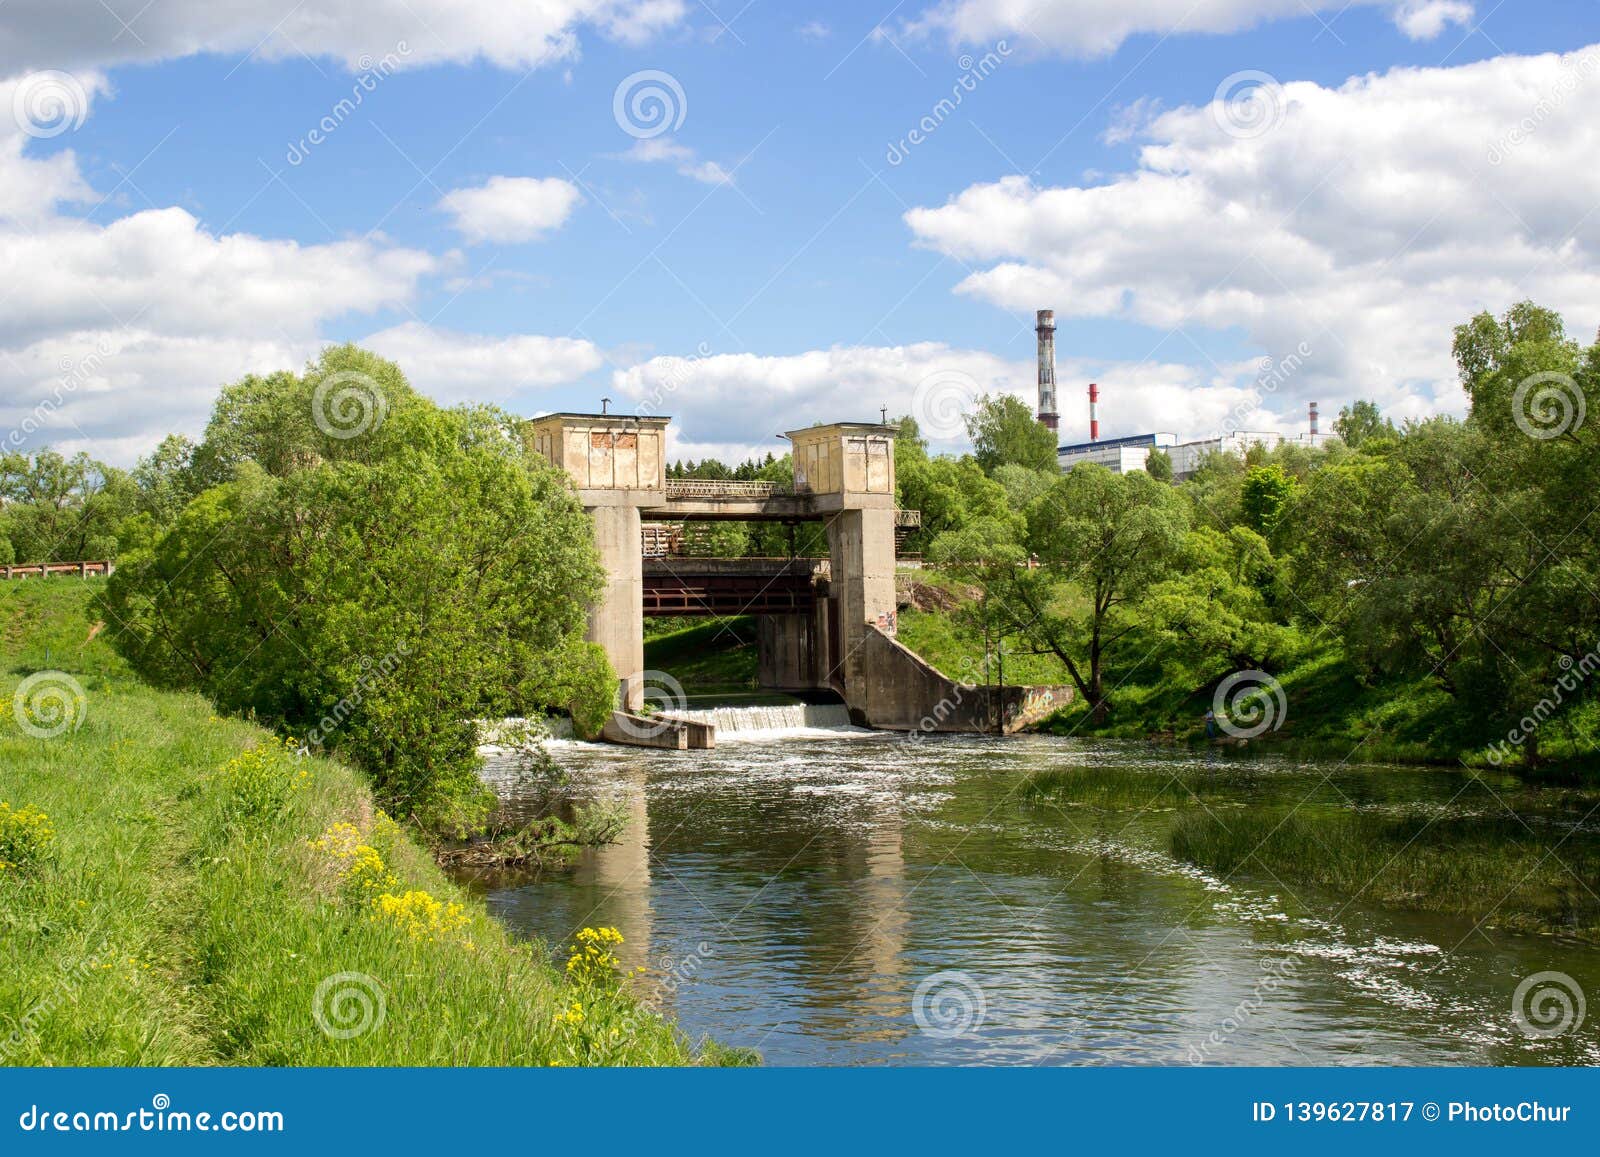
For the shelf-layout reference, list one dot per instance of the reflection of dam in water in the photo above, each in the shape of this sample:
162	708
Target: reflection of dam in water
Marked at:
797	896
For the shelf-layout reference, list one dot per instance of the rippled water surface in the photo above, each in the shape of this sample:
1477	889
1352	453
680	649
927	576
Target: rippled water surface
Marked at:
851	899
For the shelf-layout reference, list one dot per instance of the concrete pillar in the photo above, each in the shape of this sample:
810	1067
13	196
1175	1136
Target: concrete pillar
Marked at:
617	463
861	546
617	621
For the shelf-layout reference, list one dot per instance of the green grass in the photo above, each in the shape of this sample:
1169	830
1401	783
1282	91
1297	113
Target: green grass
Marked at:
705	655
955	650
171	925
1494	869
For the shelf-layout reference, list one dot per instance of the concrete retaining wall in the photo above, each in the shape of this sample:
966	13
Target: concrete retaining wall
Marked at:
901	691
643	731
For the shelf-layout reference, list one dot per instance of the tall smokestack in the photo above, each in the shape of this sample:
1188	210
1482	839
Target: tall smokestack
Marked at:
1313	418
1046	329
1094	412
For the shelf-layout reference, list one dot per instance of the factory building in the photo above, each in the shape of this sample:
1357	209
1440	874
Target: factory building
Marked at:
1130	453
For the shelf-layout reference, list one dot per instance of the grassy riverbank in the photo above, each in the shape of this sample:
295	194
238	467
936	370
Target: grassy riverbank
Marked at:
208	897
1328	712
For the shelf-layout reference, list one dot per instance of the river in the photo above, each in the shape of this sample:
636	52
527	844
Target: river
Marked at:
845	898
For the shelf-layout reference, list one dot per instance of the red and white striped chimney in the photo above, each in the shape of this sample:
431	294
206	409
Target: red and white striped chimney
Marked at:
1313	419
1094	412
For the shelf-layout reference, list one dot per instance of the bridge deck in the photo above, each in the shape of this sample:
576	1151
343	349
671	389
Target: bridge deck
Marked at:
731	586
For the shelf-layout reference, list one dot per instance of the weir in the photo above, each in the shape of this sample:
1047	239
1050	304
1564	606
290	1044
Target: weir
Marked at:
822	625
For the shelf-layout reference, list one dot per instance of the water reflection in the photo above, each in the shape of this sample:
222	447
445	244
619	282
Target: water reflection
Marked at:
807	887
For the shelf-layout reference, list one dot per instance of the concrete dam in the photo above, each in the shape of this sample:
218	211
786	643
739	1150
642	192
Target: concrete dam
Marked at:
821	628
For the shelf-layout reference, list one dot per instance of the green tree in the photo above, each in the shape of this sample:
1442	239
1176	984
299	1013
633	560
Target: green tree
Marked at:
1215	611
1103	539
1158	464
1003	430
1361	421
986	552
59	509
375	599
1264	496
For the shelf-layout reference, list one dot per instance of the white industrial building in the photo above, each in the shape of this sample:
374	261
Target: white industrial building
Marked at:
1121	455
1124	454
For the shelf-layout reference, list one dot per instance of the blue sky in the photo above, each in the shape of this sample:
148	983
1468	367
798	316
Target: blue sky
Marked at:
772	241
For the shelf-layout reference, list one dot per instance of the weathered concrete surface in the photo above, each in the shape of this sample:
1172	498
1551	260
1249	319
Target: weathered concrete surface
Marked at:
616	622
861	543
699	736
904	692
646	731
793	650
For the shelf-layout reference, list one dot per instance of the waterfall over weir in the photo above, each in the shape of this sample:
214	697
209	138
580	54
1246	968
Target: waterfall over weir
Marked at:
773	720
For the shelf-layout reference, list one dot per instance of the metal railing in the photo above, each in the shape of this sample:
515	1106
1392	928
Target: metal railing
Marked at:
46	569
718	488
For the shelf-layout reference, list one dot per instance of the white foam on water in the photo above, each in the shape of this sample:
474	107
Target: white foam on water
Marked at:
772	721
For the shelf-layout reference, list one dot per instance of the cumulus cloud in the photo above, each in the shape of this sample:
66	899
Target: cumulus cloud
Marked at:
42	106
658	149
732	405
1364	221
115	391
49	34
511	209
112	335
451	366
1098	27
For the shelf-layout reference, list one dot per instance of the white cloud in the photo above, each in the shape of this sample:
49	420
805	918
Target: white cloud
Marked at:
113	335
655	150
1425	19
43	105
160	270
1366	221
452	367
1098	27
512	209
51	34
115	392
731	405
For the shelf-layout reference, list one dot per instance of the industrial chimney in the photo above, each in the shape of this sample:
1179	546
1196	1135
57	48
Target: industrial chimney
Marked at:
1313	419
1094	412
1046	329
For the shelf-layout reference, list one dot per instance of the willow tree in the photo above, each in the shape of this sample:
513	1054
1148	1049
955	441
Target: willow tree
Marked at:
1102	540
372	591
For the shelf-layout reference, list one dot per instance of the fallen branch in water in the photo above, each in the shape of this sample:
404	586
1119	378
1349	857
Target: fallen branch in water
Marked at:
542	842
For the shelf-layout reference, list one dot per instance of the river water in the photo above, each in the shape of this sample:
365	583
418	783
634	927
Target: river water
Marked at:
848	898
